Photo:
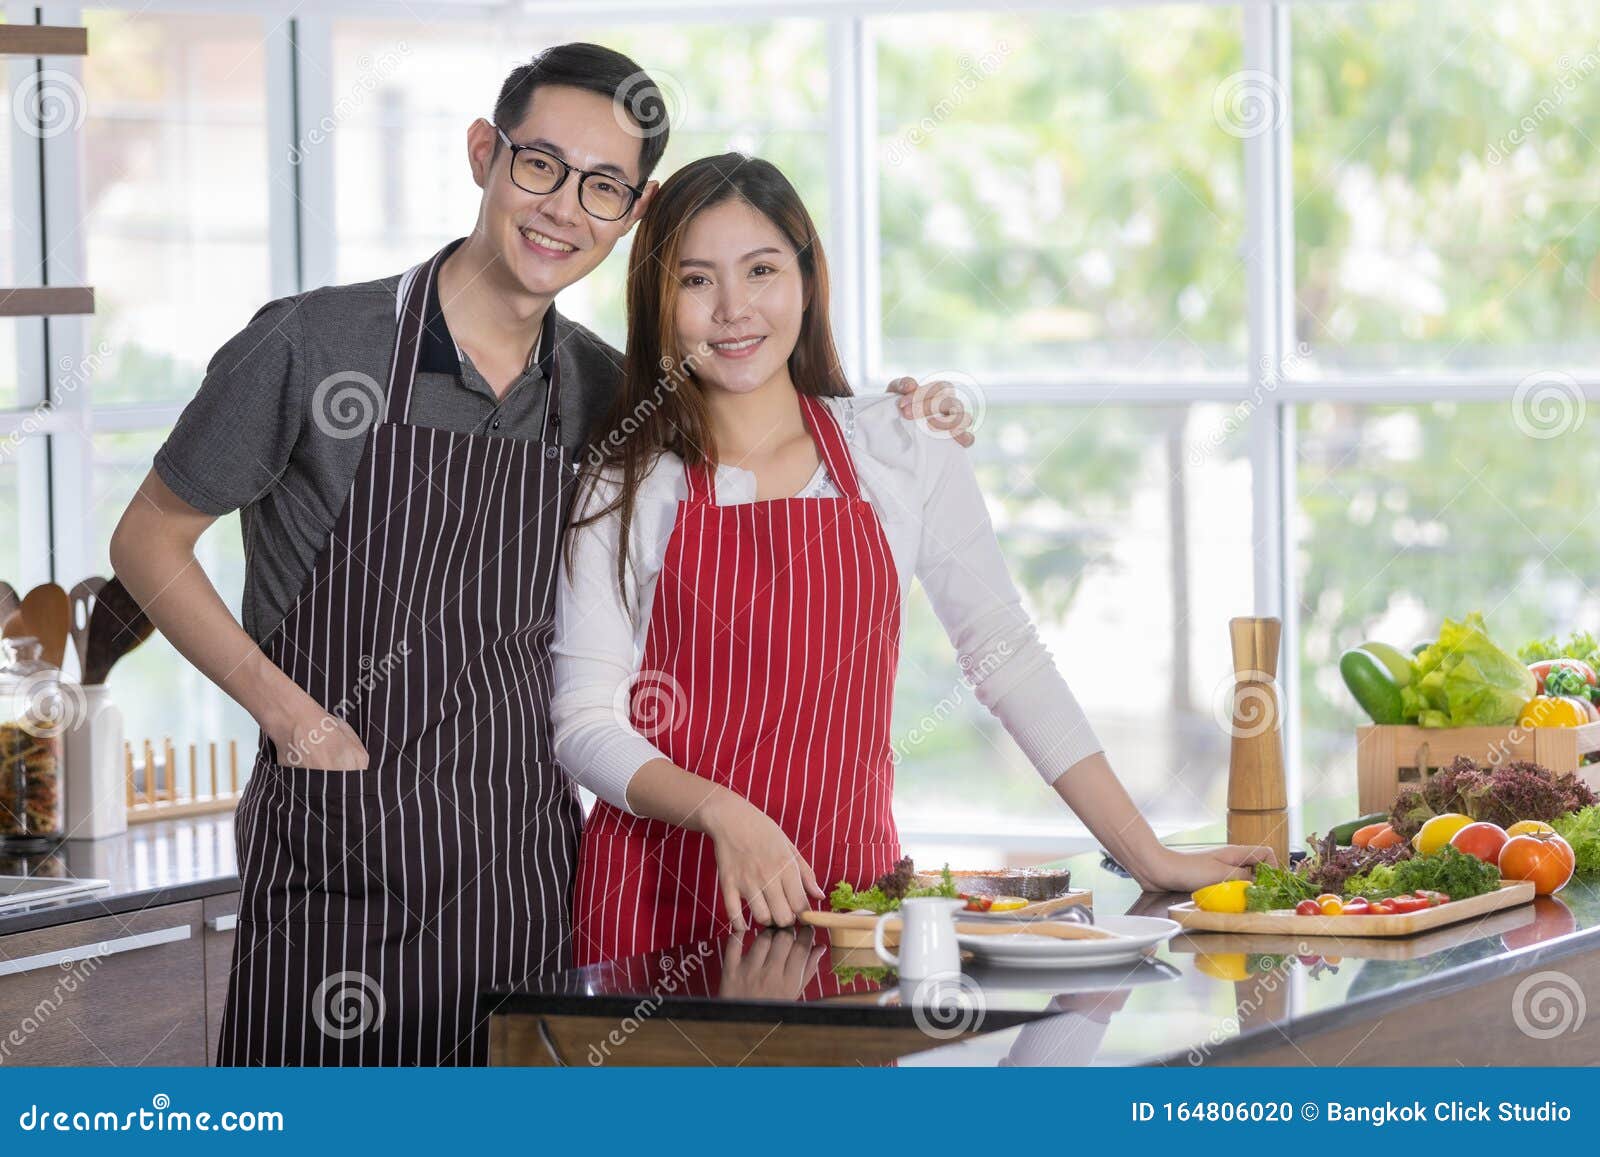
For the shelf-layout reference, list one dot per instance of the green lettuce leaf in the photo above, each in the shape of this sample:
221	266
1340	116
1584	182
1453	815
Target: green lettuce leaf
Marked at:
1464	680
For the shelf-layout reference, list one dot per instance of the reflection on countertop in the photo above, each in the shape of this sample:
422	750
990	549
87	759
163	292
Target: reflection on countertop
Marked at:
1201	998
161	862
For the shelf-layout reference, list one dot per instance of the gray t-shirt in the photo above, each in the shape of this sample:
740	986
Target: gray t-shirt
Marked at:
261	438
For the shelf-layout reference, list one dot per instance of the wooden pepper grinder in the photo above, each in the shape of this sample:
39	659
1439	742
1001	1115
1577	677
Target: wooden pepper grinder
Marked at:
1257	800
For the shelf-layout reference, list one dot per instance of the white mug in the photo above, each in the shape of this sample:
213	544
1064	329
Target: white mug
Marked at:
927	937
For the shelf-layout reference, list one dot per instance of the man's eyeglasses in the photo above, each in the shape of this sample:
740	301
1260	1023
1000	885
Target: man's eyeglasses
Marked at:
602	195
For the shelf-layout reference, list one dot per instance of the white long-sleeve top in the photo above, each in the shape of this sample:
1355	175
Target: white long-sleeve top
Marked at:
923	488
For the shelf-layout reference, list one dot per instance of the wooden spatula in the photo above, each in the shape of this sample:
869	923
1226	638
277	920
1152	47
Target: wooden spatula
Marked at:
82	597
43	615
117	626
9	602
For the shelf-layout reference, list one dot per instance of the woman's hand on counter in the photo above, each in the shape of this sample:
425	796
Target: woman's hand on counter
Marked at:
1176	871
757	864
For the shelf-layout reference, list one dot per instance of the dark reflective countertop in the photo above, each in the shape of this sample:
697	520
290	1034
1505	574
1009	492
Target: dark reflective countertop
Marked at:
1198	997
162	862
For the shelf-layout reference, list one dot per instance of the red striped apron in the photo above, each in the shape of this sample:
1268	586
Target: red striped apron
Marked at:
376	906
769	668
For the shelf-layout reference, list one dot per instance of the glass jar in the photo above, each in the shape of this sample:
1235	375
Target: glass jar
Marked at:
32	716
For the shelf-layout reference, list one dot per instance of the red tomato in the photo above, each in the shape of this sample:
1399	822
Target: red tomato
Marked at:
1541	670
1481	839
1307	908
1384	907
1544	858
1404	904
1356	906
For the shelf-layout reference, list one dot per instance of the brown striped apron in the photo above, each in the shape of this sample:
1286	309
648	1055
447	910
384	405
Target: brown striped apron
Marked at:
376	905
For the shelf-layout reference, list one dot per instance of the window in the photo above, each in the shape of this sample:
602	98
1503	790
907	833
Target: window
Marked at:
1073	213
1057	197
175	195
1127	530
1445	185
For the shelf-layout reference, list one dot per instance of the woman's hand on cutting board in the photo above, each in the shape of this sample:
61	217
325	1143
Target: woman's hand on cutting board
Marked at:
1185	871
757	864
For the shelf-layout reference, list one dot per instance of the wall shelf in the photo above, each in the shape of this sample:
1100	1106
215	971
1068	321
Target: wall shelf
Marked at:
46	301
42	40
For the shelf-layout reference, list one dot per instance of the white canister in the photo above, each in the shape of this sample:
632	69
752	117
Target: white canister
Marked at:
96	782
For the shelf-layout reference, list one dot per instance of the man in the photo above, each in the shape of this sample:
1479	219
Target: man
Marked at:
402	452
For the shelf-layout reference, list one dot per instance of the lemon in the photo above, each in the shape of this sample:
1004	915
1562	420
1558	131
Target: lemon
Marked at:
1007	904
1436	833
1223	965
1227	896
1530	828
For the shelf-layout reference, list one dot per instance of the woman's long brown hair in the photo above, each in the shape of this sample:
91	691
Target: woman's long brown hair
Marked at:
661	406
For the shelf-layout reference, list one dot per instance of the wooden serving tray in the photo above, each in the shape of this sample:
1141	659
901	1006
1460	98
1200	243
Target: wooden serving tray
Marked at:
1357	947
854	929
1510	894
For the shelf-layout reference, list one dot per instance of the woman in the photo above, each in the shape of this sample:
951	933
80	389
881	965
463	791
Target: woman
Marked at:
728	624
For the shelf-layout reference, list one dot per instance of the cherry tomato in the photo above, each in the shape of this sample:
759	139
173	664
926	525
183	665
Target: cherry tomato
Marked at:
1307	908
1330	905
1400	905
1356	906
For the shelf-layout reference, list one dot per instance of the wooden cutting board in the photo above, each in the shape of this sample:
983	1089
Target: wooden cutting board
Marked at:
1511	893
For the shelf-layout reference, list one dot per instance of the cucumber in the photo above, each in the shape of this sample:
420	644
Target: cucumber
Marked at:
1344	833
1400	666
1372	685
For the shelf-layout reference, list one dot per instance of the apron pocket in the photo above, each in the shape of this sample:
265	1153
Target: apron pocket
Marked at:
323	859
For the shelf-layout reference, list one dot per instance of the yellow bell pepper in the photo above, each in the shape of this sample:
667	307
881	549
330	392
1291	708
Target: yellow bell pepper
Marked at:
1227	896
1552	711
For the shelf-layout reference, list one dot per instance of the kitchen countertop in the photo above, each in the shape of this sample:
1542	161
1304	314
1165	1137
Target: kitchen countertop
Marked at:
1201	997
161	862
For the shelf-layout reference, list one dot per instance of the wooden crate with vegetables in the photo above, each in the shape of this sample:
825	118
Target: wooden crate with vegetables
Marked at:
1462	696
1494	813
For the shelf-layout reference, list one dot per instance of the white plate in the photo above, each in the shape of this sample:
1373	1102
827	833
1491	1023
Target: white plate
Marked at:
1024	950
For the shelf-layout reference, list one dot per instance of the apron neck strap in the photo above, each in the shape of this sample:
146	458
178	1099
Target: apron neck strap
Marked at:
411	304
831	448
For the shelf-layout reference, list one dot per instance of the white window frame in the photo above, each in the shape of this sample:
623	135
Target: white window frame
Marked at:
298	48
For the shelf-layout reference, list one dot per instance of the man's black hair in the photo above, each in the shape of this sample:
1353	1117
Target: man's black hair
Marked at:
596	69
